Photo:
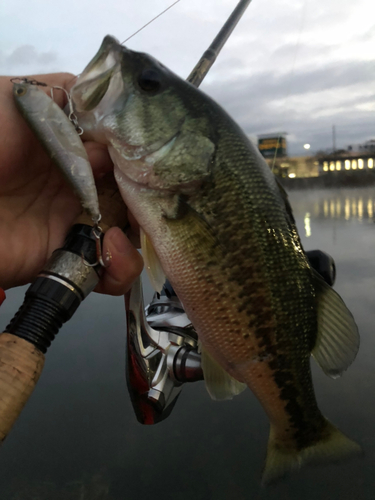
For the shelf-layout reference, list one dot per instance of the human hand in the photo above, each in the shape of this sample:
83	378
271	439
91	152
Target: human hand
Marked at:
38	207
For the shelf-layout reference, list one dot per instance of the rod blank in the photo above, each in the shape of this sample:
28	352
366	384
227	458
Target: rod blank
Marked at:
209	57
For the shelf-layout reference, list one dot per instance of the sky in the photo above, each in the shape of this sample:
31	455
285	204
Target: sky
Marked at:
295	66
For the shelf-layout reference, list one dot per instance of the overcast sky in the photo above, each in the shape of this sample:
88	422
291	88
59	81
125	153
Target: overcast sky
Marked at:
297	66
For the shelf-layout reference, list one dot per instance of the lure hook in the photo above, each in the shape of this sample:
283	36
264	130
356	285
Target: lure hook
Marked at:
72	116
97	233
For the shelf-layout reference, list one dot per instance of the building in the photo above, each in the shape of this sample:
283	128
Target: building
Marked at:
366	147
346	161
357	158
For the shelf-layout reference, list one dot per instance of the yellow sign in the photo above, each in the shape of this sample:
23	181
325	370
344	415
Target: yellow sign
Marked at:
272	145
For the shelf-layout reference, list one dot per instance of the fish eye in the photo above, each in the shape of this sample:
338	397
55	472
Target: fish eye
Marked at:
150	80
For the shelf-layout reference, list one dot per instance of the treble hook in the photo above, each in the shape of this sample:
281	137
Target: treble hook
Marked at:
97	233
72	116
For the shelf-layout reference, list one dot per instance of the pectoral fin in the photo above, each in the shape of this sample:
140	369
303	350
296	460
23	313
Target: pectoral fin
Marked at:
152	263
220	385
337	340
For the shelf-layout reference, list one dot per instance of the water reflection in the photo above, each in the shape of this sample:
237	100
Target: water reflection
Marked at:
78	438
356	204
307	225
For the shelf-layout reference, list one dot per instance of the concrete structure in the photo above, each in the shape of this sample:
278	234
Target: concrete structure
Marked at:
298	166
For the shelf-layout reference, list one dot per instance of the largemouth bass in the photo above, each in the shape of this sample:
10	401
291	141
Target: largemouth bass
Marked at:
224	234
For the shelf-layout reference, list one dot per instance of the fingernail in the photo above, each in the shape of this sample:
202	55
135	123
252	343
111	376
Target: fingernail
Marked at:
108	257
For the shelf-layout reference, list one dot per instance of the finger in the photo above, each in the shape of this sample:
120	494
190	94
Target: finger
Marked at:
125	263
55	80
99	158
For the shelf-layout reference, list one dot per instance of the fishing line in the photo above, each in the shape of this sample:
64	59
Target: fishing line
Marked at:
152	20
296	49
140	29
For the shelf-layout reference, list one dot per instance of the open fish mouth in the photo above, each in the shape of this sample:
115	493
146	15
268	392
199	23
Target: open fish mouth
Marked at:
94	82
100	88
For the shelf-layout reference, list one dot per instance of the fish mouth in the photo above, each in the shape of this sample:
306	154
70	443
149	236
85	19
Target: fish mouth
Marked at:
99	94
98	89
93	83
107	55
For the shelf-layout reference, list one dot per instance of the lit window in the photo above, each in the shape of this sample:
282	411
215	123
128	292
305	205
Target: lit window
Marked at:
292	176
370	163
325	166
360	163
347	164
354	164
332	166
338	165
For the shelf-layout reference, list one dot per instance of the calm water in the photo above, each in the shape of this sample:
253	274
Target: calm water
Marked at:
78	438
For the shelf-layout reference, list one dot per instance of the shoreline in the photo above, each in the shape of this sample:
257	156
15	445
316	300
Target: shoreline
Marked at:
330	180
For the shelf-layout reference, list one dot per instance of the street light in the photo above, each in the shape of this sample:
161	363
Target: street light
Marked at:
306	146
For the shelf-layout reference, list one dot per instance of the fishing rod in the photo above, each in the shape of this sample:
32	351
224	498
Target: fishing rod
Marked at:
66	280
209	57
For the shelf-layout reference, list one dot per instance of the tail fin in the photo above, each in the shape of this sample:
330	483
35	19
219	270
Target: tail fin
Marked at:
281	460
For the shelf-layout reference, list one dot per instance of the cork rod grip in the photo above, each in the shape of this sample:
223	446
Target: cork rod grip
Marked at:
20	367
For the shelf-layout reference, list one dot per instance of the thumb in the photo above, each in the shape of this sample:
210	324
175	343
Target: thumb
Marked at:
125	263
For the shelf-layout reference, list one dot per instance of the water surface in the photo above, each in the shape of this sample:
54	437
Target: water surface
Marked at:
78	439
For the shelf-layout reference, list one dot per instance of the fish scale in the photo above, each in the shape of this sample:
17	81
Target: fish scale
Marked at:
265	315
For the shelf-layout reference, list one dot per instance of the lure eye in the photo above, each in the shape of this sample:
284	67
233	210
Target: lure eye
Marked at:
21	91
150	80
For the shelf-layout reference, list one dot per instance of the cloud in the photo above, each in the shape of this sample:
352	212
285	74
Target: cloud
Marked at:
306	105
289	65
27	59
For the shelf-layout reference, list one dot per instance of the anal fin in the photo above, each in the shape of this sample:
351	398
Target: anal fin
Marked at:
152	263
220	385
